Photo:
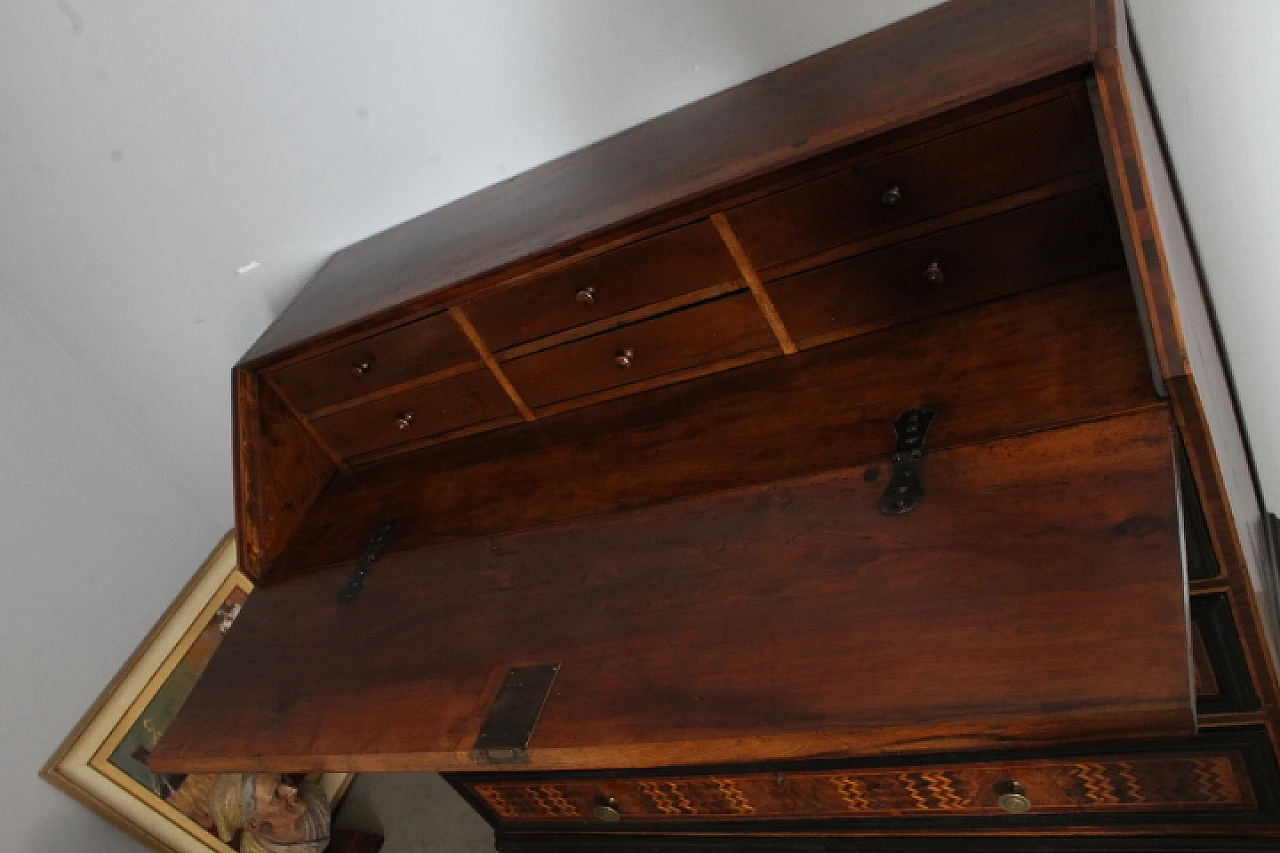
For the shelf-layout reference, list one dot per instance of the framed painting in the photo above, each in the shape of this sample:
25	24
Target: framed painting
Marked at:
103	762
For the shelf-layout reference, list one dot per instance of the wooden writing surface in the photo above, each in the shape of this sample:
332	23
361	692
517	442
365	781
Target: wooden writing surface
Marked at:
1036	596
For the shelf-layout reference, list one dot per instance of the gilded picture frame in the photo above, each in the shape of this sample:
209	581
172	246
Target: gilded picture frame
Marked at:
101	763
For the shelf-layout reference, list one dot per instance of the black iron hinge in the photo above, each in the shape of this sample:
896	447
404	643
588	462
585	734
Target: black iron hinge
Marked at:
905	490
377	544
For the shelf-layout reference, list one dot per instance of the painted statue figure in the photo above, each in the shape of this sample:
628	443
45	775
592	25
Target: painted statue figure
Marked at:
270	814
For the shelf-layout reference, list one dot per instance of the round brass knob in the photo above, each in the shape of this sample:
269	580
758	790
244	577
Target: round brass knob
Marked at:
404	420
606	809
585	295
624	357
891	197
360	368
933	273
1014	799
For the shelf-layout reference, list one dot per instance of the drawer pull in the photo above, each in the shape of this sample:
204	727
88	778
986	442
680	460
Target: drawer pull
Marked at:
606	809
624	357
1013	798
360	368
585	295
933	273
891	197
404	420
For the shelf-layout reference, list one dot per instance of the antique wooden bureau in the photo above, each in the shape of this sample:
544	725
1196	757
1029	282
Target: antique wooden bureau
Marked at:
844	461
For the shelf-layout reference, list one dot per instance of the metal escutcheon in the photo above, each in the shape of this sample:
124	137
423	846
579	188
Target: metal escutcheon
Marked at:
891	197
404	420
586	295
624	357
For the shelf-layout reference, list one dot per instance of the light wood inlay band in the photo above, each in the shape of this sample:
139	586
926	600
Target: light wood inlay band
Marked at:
734	245
487	357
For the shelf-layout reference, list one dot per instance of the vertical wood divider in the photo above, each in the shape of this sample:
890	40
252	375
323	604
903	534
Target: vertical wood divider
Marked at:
483	349
734	245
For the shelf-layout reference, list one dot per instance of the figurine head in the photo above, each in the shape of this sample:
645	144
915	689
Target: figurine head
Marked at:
276	816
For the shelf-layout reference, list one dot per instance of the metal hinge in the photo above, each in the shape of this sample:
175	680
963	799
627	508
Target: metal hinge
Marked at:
514	715
377	544
905	491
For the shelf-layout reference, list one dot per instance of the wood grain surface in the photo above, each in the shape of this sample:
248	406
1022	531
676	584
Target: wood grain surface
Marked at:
1035	597
942	58
825	408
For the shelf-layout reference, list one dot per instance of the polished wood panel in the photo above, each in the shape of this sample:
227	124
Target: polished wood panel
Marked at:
375	363
281	469
668	265
1010	154
716	331
1055	240
908	71
439	408
689	632
820	409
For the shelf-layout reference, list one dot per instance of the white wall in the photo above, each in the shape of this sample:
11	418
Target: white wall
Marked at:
1215	73
95	545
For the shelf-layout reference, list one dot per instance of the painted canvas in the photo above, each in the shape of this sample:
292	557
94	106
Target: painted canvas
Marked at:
131	755
103	762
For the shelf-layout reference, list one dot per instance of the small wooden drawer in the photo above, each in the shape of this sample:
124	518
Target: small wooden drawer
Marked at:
715	335
452	406
1223	684
1013	153
1222	773
669	265
372	364
1054	240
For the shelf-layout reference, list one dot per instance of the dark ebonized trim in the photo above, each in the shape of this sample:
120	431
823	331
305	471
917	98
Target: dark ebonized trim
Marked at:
1202	562
1211	615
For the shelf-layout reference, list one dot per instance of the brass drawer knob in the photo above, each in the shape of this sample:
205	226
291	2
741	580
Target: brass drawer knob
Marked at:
624	357
933	273
585	295
360	368
606	809
404	420
891	197
1013	798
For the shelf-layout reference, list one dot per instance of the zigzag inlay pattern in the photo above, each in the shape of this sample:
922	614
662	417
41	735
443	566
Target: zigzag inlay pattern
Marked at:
1157	785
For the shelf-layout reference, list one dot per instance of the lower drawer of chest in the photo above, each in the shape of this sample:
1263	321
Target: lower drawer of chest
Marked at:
1225	776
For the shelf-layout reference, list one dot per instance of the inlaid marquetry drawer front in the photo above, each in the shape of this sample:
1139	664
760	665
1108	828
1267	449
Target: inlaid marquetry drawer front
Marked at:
685	260
1181	782
722	333
367	366
469	401
1021	249
1223	683
1009	154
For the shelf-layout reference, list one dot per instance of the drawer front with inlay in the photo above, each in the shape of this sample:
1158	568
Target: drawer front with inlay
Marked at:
1186	780
1017	152
471	400
1055	240
417	349
682	261
725	332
